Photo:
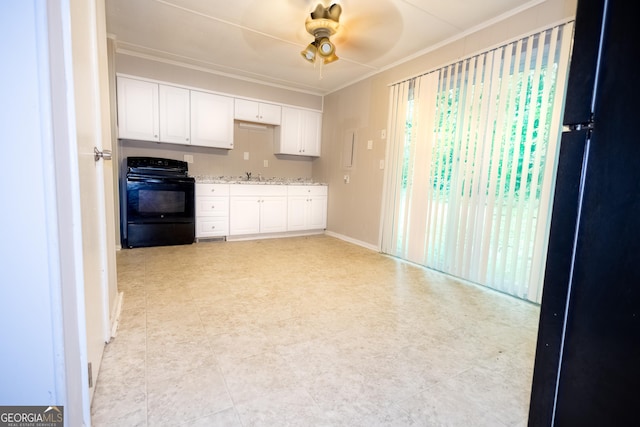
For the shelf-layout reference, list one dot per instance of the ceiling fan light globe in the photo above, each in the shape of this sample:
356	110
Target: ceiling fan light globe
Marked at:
310	52
325	47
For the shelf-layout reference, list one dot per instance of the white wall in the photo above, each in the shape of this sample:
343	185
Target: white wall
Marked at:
31	365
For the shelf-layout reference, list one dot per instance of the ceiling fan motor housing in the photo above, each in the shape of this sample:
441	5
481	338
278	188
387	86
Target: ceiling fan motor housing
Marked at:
322	24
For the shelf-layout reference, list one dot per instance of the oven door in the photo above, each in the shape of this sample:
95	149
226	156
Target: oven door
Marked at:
160	200
160	211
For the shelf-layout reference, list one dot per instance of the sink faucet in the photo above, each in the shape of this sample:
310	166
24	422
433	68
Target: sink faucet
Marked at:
248	175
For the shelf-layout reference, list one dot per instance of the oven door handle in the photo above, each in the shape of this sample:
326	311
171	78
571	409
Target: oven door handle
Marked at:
159	180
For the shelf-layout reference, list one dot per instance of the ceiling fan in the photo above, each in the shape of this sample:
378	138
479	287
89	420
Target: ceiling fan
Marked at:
322	23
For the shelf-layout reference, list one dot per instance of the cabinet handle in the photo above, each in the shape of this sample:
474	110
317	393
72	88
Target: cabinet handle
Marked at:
213	227
213	189
187	139
213	207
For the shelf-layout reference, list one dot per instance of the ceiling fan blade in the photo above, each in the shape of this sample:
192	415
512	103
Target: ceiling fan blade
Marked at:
361	35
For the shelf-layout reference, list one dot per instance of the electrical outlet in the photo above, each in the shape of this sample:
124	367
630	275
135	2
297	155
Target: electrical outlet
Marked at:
266	163
188	158
246	155
346	179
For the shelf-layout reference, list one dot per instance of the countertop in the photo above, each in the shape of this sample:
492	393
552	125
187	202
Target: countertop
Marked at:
209	179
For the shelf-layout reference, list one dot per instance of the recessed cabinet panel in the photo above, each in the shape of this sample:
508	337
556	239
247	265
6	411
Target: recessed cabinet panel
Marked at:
175	115
273	214
317	213
244	215
311	133
138	116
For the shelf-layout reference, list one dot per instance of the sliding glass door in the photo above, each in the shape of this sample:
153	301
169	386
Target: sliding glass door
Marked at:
473	148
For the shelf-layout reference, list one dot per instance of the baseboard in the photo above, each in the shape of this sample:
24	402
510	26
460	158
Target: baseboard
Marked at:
274	235
115	319
352	240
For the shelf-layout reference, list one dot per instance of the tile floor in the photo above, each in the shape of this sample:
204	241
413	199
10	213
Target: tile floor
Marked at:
309	331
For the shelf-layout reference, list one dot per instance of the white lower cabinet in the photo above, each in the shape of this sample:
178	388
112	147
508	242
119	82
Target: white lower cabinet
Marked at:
212	210
307	207
249	209
257	208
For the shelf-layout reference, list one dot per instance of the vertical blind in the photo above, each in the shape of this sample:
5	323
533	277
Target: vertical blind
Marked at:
473	150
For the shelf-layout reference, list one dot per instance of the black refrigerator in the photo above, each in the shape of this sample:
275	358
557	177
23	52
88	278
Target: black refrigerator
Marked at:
587	363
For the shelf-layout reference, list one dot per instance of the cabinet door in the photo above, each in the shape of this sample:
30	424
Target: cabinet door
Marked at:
175	125
244	215
246	110
270	114
211	120
311	128
288	134
296	213
317	213
252	111
273	214
138	115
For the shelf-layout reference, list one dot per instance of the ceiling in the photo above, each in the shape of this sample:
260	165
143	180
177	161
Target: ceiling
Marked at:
261	39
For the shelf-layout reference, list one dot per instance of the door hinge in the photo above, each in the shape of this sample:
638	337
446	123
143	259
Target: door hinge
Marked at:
90	376
577	126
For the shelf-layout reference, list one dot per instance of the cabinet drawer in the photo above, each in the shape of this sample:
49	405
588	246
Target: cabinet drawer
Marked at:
212	227
212	206
212	189
307	190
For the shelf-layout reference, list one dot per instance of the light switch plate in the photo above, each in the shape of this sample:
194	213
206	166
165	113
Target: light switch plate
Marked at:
266	163
246	155
370	144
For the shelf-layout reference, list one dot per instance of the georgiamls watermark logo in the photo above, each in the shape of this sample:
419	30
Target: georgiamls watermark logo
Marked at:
31	416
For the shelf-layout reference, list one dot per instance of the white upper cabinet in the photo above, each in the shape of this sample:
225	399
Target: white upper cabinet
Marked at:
138	110
299	132
252	111
211	120
157	112
175	115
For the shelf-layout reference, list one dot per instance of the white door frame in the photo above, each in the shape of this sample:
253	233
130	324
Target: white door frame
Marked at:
69	225
61	60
